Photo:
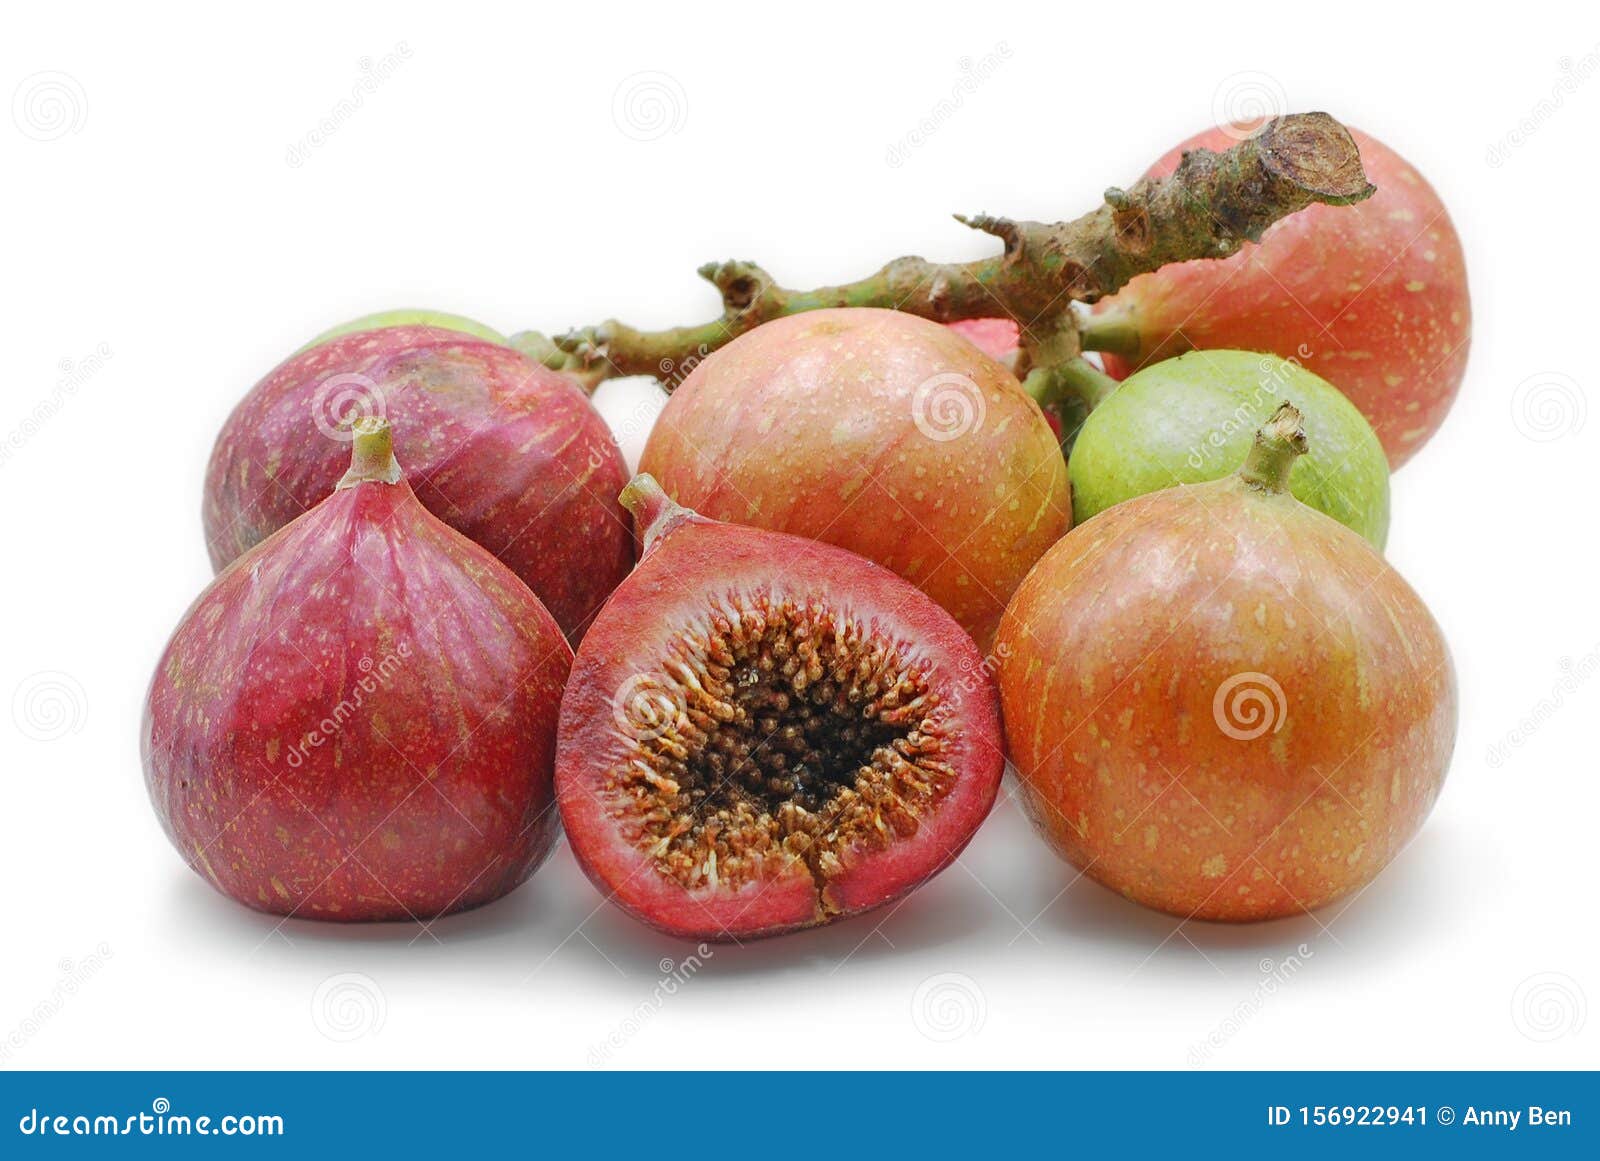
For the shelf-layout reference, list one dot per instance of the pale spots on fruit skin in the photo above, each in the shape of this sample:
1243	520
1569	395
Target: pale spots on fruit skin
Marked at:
510	453
228	756
845	404
1328	257
1334	601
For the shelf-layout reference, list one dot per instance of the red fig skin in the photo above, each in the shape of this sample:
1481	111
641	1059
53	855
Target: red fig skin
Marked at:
504	450
881	433
1372	297
356	720
693	576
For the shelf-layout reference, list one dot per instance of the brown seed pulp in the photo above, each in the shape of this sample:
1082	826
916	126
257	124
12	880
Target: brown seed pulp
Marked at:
777	733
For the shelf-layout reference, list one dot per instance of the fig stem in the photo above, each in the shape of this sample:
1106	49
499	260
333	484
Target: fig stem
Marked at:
654	512
371	454
1112	331
1075	379
1280	442
1208	208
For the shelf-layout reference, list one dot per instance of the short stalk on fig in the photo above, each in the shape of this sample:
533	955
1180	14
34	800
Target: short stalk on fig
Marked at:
1277	445
371	454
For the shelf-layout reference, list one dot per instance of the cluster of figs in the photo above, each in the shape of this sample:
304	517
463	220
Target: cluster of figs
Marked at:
774	679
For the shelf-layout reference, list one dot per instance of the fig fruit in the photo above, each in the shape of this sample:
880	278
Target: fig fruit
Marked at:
504	450
878	432
357	719
995	337
763	732
1372	297
1192	418
1222	703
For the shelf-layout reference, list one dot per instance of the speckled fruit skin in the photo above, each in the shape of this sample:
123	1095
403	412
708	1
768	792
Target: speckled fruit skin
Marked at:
431	676
878	432
1386	277
1191	419
690	558
1117	654
505	451
995	337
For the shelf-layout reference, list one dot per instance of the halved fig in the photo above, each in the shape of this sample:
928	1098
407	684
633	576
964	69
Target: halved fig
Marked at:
763	732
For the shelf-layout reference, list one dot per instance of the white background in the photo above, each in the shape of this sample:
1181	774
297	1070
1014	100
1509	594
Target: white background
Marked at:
497	173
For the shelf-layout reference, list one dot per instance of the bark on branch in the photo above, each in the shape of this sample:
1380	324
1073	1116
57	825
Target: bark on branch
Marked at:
1208	208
